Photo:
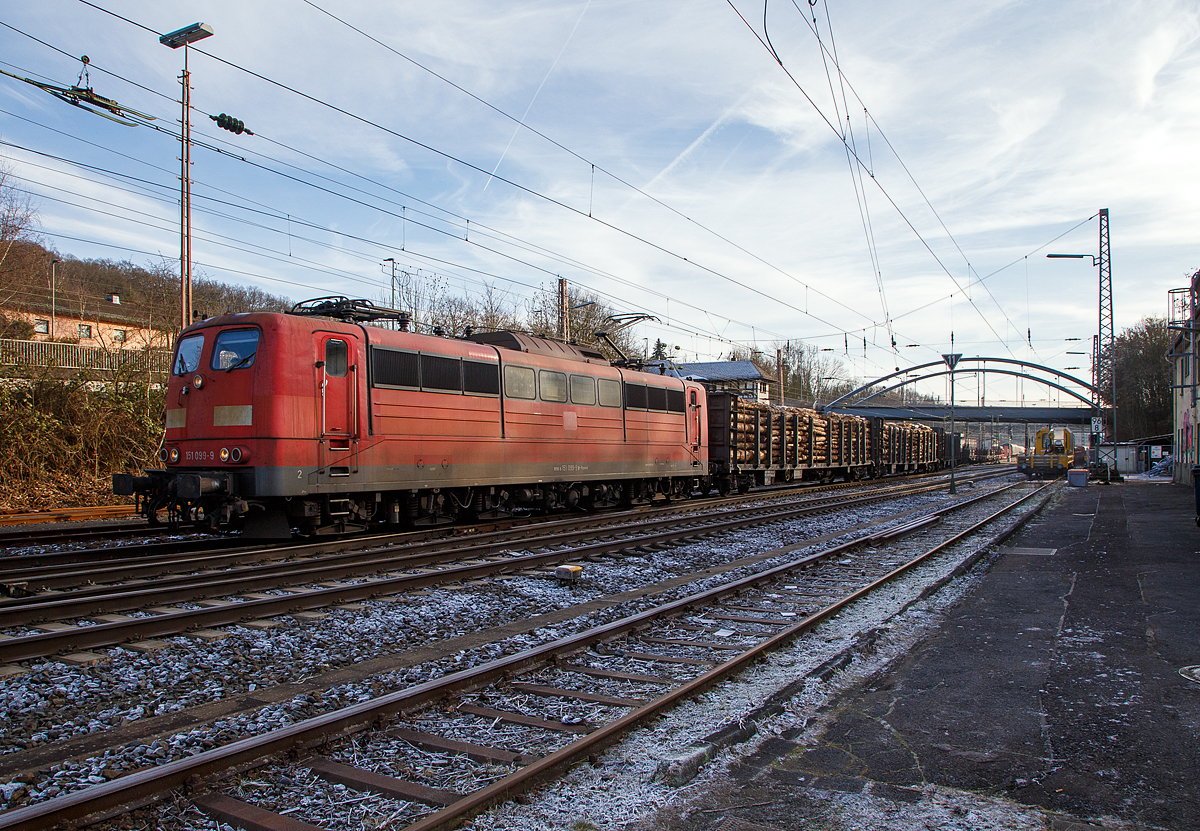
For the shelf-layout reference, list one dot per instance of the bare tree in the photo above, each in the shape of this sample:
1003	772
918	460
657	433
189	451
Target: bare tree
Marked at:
19	252
495	312
18	216
587	314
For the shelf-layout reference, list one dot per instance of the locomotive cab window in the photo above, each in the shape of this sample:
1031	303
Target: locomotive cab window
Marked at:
336	358
518	382
187	357
234	349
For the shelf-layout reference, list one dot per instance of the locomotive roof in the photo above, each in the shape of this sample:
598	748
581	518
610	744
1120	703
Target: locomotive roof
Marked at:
539	346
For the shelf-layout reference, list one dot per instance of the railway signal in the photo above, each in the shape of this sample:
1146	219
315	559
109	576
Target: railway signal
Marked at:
951	360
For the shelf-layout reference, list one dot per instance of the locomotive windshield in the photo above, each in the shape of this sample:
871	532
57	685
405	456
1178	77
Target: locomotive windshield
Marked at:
235	349
188	356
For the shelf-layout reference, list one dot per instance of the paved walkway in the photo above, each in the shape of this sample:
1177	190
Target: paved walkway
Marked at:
1054	684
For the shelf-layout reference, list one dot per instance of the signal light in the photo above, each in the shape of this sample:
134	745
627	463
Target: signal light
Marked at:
224	454
233	125
173	455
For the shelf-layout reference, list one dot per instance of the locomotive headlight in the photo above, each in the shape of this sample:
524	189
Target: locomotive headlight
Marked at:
224	454
235	455
198	381
162	454
173	455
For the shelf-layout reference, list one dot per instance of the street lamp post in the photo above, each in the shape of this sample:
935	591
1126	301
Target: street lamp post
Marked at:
183	37
53	293
951	360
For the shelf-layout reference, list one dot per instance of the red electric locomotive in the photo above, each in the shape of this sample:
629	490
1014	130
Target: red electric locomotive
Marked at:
317	422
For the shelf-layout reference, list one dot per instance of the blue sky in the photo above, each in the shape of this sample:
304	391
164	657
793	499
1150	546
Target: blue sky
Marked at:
737	220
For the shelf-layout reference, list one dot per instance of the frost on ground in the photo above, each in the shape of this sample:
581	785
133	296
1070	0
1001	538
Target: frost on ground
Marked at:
623	789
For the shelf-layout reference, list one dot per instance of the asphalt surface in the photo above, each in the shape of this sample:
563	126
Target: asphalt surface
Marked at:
1054	684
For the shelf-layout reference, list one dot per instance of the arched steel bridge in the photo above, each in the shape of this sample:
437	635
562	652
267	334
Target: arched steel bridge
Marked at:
1014	413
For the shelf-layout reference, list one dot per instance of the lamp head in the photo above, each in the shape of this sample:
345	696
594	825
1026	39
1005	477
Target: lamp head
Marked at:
186	35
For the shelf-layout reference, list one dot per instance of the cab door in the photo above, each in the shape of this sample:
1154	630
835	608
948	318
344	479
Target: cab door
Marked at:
695	425
337	399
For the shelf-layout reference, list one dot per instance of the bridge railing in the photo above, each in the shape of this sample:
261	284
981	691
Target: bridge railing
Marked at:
73	356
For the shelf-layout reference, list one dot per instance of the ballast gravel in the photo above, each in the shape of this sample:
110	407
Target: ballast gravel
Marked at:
187	677
55	701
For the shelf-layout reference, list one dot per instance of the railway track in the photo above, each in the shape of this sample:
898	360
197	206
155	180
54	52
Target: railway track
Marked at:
66	514
506	723
53	614
59	535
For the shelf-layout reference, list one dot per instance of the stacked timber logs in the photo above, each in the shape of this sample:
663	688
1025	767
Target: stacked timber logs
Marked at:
768	435
907	442
849	438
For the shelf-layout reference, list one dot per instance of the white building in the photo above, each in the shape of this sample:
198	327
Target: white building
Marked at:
1183	318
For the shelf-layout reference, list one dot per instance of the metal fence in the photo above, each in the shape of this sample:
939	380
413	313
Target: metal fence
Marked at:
72	356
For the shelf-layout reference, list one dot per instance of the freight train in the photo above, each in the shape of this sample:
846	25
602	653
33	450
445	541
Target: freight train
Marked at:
323	420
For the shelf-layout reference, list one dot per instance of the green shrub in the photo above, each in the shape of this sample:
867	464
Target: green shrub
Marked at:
61	440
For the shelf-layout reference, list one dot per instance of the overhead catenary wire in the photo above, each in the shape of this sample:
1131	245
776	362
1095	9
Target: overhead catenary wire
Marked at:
592	165
316	266
907	221
279	214
832	326
518	186
856	171
466	221
871	119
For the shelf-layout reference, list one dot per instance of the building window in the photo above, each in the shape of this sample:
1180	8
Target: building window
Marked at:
41	327
118	335
85	331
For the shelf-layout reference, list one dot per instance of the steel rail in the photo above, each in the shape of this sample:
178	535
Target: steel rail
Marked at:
66	514
110	798
110	634
56	536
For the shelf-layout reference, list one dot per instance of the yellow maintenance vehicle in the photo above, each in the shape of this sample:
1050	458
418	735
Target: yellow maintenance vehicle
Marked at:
1052	453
